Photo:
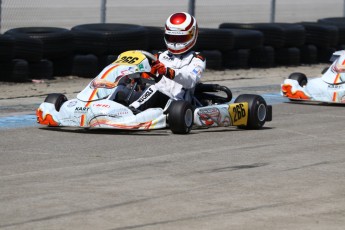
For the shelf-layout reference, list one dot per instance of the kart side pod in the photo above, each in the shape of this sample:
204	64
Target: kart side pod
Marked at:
249	111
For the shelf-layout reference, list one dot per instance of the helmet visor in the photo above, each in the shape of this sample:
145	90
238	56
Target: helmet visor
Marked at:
178	38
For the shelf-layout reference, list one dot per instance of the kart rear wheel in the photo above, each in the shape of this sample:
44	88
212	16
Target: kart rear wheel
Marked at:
301	78
57	99
257	110
180	117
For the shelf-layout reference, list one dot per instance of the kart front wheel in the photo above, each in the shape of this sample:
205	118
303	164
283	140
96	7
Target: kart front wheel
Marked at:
258	111
301	78
180	117
57	99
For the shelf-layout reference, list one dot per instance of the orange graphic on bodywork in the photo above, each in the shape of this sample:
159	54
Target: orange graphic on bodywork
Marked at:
143	125
286	89
47	120
335	97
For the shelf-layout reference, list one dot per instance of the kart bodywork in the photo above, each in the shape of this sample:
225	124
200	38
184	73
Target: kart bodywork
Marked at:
329	88
103	103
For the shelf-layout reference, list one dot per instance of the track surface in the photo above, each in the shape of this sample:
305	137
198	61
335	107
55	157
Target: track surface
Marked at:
289	175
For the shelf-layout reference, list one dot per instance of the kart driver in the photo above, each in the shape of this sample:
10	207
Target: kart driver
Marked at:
179	69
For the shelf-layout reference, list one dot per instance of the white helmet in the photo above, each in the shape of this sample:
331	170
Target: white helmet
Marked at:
181	32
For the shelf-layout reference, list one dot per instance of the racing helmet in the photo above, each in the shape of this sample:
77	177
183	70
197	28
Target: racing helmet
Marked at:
181	32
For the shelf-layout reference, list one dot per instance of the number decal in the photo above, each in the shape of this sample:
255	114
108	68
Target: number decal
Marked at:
130	57
127	59
239	113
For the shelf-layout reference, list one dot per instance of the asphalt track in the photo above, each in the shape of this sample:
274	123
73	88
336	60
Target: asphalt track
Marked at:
289	175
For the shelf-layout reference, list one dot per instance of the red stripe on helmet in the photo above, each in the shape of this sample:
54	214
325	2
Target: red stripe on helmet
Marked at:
190	24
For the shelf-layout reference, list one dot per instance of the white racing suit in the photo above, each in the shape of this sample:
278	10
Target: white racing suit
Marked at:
188	69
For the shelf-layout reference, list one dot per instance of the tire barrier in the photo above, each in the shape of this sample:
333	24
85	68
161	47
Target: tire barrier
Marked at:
309	54
63	66
155	38
214	39
214	59
45	52
85	65
289	56
247	39
262	57
6	47
56	42
236	59
273	33
294	34
27	48
321	35
101	39
337	22
285	38
42	69
15	70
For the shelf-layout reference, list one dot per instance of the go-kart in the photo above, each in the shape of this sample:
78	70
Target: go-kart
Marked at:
329	88
104	103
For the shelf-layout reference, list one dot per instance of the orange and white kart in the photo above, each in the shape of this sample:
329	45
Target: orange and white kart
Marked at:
104	102
329	88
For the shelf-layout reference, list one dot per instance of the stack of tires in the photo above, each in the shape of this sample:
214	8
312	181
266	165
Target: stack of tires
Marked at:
84	50
97	45
246	43
212	43
39	52
323	37
11	69
279	43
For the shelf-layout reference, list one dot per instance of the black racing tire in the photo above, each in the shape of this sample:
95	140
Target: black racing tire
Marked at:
247	39
85	66
294	33
180	117
155	36
62	66
257	109
7	47
214	39
321	35
56	42
109	38
262	57
324	54
308	54
15	70
57	99
301	78
339	22
214	59
236	59
288	56
274	35
42	69
26	48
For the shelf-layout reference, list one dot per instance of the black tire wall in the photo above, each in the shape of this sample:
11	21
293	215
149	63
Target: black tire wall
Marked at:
55	42
45	52
101	39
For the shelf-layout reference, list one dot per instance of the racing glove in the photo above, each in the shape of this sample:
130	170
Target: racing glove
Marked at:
160	68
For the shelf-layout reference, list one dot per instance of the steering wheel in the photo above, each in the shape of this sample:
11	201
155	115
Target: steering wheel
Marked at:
152	58
149	55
